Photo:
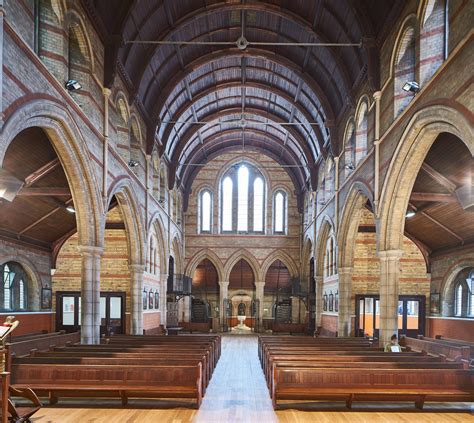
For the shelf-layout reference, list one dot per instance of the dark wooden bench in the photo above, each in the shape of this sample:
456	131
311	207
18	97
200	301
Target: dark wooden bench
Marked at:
201	327
352	384
290	328
453	352
43	343
58	380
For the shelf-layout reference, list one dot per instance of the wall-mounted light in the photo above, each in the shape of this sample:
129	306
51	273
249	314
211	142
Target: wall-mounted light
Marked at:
411	87
132	163
70	209
410	214
349	166
73	85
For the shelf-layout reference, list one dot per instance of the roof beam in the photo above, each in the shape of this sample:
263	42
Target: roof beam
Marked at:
45	192
42	172
438	177
433	197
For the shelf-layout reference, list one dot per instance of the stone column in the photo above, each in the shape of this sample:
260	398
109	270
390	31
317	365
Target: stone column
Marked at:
345	305
163	299
223	294
259	295
389	280
90	294
136	318
319	301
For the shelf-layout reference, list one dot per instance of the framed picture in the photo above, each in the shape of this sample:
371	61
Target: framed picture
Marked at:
46	298
151	297
325	302
157	300
145	299
435	303
331	301
336	301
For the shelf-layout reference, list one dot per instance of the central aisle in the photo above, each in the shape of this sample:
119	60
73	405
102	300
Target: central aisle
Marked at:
237	391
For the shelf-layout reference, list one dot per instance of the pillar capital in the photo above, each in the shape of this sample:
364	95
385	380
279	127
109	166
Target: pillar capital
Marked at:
390	254
90	250
377	95
107	92
224	284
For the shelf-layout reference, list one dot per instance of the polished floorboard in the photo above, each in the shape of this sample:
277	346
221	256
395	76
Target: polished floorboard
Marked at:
237	393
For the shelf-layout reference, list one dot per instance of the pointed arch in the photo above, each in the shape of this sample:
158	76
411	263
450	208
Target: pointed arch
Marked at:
73	153
285	258
326	230
156	225
249	258
209	255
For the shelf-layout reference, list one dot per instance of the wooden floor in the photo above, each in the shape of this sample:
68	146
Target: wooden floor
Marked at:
237	393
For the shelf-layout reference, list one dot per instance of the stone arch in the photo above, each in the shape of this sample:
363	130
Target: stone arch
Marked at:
414	145
156	224
133	219
284	258
202	255
447	285
358	195
327	228
34	295
249	258
306	256
73	154
178	256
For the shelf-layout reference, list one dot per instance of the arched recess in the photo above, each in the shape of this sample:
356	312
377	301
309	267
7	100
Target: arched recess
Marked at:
361	134
132	216
203	255
284	258
448	285
349	162
416	141
73	154
34	278
306	257
156	225
327	228
176	251
249	258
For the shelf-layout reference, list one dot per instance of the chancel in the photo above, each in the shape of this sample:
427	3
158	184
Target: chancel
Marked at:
237	211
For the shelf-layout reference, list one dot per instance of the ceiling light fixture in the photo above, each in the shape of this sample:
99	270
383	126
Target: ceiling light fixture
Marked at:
411	87
73	85
410	214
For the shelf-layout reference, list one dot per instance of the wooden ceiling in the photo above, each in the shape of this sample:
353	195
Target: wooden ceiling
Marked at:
440	222
241	276
266	84
205	278
38	214
277	279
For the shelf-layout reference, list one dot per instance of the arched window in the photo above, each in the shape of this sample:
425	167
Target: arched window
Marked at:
162	199
206	211
433	38
458	297
470	287
79	61
227	187
14	295
258	205
361	134
349	150
279	212
243	200
404	70
330	265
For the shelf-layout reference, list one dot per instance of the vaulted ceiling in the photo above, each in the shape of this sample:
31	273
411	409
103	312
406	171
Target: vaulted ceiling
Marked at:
200	99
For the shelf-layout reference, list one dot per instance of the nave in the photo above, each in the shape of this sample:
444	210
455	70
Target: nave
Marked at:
237	393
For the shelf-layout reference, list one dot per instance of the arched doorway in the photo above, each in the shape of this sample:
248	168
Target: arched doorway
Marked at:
277	307
205	293
241	296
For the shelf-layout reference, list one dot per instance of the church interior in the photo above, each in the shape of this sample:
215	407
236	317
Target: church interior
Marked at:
237	210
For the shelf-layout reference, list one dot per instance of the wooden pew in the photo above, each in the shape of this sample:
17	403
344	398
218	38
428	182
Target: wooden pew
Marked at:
453	352
58	380
204	327
290	328
352	384
43	343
